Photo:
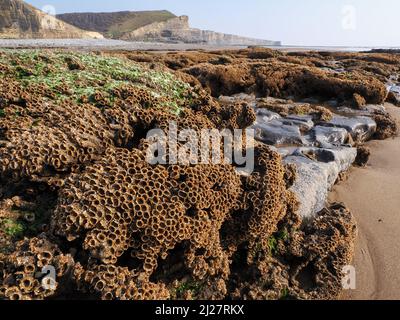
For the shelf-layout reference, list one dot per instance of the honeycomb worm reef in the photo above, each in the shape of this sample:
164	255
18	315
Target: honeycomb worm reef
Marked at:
77	194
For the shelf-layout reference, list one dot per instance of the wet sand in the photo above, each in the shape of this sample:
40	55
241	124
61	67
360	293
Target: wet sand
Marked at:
373	195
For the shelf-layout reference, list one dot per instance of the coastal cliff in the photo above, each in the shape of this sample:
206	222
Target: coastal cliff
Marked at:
20	20
178	30
114	24
154	26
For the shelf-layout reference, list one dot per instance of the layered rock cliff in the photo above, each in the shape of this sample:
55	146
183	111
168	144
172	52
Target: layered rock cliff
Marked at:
21	20
178	30
114	24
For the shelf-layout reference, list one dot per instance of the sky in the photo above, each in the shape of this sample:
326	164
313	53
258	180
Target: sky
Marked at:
294	22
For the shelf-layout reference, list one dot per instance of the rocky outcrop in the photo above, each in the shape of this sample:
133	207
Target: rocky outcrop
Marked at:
179	30
320	145
21	20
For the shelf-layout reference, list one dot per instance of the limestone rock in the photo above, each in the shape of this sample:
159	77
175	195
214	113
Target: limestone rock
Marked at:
276	133
361	128
329	136
317	171
264	115
178	30
304	122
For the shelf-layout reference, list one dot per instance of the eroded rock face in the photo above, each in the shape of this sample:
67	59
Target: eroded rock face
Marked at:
114	24
21	20
178	30
155	26
265	115
317	146
304	122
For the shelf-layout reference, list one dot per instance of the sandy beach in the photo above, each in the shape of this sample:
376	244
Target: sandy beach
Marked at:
372	194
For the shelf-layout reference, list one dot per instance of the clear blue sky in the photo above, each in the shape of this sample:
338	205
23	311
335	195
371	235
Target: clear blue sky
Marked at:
294	22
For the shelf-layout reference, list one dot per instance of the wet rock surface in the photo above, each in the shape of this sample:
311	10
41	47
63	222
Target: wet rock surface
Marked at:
393	87
322	148
276	132
329	136
305	123
360	128
317	171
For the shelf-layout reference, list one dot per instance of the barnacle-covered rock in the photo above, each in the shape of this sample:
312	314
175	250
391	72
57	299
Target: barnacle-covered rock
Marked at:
74	126
303	262
37	269
327	247
387	127
115	283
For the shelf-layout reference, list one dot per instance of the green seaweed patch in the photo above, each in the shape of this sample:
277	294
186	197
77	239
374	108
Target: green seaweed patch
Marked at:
191	286
284	294
12	228
33	221
97	73
275	239
273	245
283	235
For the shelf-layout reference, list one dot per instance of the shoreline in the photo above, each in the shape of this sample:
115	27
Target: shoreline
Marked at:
109	44
371	194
